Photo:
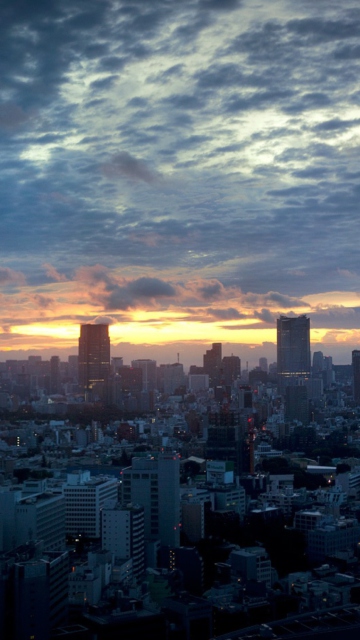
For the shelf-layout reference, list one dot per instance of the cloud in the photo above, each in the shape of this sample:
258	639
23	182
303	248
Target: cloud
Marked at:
43	302
105	320
348	274
118	293
53	273
265	316
151	288
219	5
12	116
9	277
226	314
274	299
210	290
286	302
124	165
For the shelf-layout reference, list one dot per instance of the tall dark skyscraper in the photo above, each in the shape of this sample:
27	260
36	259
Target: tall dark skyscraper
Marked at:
212	363
356	375
293	349
54	374
94	359
148	368
231	368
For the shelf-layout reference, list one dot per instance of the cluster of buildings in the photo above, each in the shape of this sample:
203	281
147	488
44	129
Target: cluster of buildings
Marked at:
136	524
86	549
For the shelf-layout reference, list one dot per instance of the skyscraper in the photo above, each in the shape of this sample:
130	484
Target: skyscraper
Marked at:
297	404
94	359
148	368
212	363
263	364
356	375
122	533
293	349
231	369
54	374
155	484
318	363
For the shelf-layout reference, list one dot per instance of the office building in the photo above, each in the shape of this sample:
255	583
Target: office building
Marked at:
318	363
125	386
231	369
191	614
297	404
327	374
212	364
55	386
8	500
85	496
251	563
198	382
263	364
148	368
40	595
94	360
293	349
193	518
228	439
33	591
171	377
41	516
330	537
73	368
356	375
155	484
123	534
116	362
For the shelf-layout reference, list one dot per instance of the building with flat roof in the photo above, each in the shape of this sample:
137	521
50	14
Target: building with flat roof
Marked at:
84	498
123	534
94	359
293	349
41	517
355	359
154	483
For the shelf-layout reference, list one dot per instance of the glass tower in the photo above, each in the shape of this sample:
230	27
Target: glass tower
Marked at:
293	349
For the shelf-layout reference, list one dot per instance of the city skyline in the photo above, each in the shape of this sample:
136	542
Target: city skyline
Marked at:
185	172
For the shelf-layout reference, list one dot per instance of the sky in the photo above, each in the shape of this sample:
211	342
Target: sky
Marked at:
183	171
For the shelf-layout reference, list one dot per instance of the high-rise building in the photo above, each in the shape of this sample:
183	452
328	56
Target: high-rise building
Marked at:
122	533
155	484
293	349
148	368
171	377
356	375
94	359
212	363
228	439
263	364
55	375
318	363
231	369
297	404
328	371
73	368
40	595
41	516
84	498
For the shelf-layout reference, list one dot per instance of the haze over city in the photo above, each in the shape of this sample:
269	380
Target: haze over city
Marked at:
185	172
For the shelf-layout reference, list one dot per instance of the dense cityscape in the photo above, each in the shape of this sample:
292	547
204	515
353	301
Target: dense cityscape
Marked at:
139	499
179	320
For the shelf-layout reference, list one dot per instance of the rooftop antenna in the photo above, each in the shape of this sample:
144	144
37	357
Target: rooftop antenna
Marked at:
178	356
